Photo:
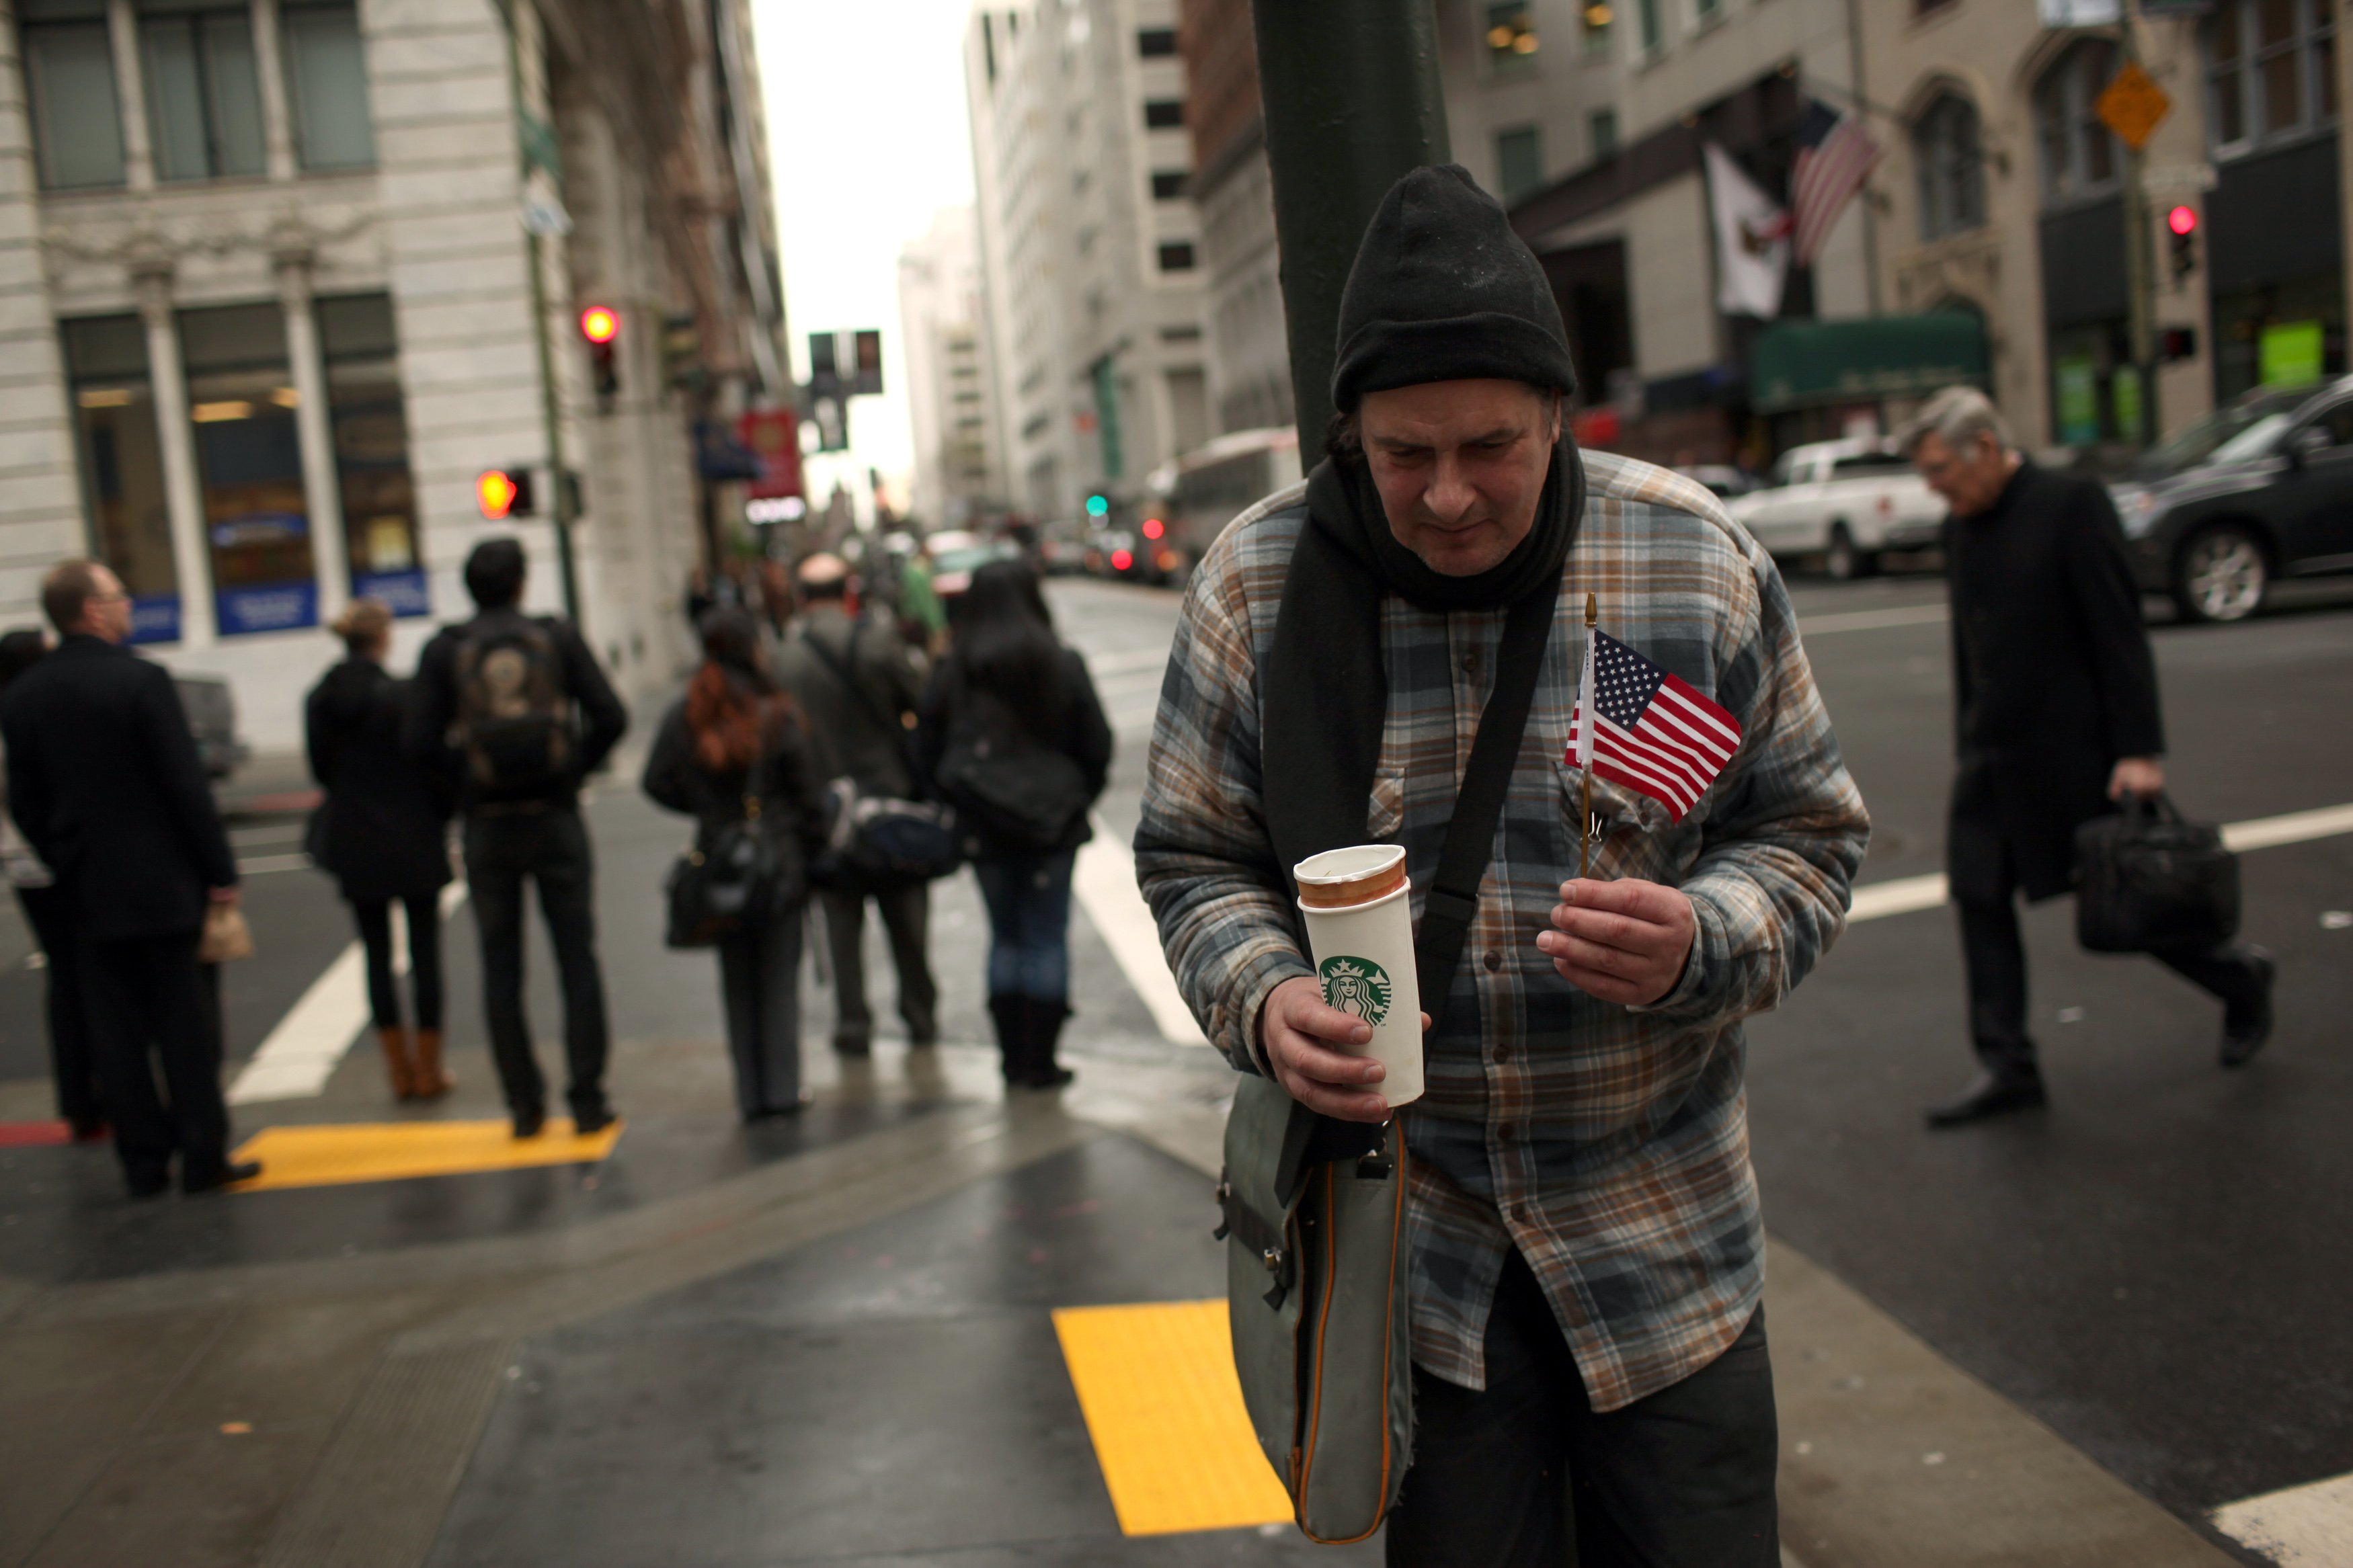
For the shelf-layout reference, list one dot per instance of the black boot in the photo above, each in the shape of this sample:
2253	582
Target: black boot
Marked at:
1011	1017
1045	1019
2247	1017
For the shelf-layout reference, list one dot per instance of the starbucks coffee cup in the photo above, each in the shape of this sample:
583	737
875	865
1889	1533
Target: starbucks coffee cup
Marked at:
1358	905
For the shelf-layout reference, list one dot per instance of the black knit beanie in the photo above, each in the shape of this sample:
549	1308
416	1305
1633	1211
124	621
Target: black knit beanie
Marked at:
1443	291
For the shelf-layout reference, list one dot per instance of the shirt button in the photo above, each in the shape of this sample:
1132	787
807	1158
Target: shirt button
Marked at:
1495	961
1520	1212
1469	664
1503	1129
1503	1053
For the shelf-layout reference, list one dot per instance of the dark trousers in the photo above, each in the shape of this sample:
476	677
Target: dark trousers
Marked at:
1510	1478
374	918
759	985
148	1007
73	1061
1029	900
551	849
905	908
1993	951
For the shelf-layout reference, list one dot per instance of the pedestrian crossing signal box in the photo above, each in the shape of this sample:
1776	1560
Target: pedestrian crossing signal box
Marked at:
503	493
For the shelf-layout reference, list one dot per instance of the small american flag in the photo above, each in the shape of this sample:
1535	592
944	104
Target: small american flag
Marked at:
1834	155
1654	734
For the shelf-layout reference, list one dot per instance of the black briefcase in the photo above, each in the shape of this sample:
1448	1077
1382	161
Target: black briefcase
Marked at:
2146	879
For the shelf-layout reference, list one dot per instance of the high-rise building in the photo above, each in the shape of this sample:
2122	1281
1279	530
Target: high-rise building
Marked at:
276	311
1089	251
1249	358
951	387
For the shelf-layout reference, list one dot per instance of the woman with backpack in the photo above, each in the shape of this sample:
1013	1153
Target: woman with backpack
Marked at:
1014	738
732	753
382	833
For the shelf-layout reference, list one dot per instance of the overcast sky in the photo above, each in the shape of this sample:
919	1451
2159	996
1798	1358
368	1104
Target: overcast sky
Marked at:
868	137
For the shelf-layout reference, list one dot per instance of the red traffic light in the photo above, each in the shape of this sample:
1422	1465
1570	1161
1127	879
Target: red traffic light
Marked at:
1121	559
1152	528
2183	220
496	492
600	324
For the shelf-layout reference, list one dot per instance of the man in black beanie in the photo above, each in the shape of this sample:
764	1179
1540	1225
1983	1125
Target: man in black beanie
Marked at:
1588	1248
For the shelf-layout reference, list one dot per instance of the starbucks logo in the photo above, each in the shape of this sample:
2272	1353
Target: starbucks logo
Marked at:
1356	985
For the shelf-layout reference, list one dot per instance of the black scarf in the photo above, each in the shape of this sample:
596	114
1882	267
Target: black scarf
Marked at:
1327	687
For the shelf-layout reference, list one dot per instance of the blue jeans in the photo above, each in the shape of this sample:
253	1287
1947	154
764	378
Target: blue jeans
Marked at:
1029	899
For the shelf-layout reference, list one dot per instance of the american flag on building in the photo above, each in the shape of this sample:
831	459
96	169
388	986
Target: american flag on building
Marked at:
1834	155
1654	732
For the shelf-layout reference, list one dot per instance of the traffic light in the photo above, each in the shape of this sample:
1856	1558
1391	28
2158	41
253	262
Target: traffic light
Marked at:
2174	344
601	325
2181	227
1098	506
503	493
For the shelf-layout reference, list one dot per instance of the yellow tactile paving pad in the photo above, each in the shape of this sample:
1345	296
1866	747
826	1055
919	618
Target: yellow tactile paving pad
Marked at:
391	1151
1156	1383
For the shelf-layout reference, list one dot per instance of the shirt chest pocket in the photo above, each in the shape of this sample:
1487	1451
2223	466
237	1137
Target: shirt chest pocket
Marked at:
1630	831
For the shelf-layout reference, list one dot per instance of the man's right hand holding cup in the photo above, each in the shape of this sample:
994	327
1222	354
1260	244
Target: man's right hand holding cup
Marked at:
1303	1037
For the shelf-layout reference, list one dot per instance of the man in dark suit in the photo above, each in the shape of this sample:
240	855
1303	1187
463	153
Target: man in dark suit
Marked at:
530	716
104	774
2059	719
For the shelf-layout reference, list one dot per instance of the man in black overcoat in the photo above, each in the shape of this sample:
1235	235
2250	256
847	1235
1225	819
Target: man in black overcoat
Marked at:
105	782
2059	719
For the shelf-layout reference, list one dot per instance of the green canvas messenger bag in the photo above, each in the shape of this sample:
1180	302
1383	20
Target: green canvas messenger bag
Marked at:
1317	1264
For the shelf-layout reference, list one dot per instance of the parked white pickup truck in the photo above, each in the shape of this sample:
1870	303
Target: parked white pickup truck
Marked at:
1846	501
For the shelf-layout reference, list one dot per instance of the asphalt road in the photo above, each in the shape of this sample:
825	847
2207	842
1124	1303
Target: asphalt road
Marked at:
2155	1267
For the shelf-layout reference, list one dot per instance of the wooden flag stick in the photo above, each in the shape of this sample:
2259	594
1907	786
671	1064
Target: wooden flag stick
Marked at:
1585	837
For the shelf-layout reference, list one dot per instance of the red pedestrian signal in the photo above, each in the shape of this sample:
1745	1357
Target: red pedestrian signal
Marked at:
503	493
2183	220
600	324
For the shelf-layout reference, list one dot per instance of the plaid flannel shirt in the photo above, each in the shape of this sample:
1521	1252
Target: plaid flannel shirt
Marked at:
1608	1142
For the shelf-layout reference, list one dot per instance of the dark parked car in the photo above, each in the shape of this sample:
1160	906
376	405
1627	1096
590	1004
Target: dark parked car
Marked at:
212	719
2257	491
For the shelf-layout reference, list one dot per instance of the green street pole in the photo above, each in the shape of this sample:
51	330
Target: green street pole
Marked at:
1352	102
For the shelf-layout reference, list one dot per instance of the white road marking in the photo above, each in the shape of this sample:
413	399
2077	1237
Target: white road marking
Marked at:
2308	1526
263	865
1104	881
1908	894
1127	661
1874	620
302	1052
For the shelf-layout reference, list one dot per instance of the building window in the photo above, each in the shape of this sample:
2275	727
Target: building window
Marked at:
249	460
1519	161
326	86
1176	257
2272	67
1945	148
1164	114
1596	16
1168	184
2079	151
122	466
70	72
370	429
1512	40
1156	42
203	91
1602	129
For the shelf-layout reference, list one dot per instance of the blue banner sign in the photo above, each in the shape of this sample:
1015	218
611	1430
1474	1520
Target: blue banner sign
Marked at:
156	618
403	592
271	607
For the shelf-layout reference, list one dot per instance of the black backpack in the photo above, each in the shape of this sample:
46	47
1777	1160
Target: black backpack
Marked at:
514	711
1017	792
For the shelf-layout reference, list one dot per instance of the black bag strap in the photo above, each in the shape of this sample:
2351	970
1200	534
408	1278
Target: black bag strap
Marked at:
846	673
1453	898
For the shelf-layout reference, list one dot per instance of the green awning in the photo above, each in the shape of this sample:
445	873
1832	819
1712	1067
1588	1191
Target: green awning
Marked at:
1804	365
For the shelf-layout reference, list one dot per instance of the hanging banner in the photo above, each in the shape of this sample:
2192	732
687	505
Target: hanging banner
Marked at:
774	435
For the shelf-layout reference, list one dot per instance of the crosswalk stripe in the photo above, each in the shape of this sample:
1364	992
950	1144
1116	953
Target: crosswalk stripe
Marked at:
2309	1526
1908	894
303	1051
1104	880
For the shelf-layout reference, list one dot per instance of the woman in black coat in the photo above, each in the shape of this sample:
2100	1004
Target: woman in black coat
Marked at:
733	714
1014	737
382	833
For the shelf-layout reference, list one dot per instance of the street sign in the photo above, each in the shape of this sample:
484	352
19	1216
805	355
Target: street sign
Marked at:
2132	106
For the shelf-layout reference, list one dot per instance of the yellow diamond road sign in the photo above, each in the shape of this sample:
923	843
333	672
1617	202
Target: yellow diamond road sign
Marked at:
2132	106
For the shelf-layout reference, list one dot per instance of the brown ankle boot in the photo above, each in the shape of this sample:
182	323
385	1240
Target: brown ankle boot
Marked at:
397	1063
432	1080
